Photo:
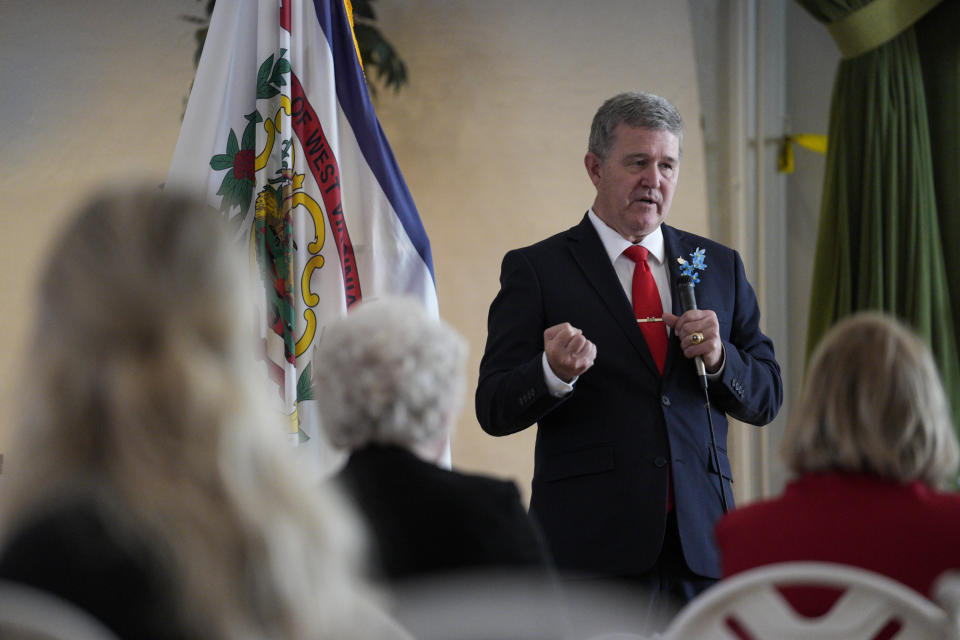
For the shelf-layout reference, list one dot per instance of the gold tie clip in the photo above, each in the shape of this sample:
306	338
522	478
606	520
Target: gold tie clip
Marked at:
649	319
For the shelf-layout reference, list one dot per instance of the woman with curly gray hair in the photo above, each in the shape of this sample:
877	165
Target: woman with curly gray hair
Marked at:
151	484
390	381
390	375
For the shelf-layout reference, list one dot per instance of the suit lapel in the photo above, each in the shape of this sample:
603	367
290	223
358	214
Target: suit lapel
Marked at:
673	247
591	257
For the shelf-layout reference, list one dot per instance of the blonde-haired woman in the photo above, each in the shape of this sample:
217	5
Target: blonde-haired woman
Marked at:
150	483
871	443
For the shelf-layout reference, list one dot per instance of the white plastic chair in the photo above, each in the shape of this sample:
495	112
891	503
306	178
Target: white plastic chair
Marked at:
30	614
946	592
869	602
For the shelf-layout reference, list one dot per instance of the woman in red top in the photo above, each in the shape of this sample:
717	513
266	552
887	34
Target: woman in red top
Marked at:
871	442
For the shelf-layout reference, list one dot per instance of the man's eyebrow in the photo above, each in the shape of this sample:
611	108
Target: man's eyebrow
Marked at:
646	156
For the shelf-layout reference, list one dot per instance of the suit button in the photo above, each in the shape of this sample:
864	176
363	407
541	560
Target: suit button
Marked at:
666	401
660	461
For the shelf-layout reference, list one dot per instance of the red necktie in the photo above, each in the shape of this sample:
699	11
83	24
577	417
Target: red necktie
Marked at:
646	304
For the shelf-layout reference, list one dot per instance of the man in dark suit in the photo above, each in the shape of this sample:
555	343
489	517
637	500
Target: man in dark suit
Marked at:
624	480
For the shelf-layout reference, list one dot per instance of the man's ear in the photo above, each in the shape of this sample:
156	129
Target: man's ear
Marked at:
593	165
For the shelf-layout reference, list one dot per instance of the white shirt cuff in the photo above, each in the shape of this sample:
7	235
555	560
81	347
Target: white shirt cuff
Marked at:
557	387
723	362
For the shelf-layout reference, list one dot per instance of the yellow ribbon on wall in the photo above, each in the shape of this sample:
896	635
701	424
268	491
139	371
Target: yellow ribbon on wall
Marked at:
785	157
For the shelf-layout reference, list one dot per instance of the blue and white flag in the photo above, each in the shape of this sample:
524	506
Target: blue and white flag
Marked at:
280	134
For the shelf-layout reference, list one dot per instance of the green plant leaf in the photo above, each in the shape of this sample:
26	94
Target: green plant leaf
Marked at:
249	136
263	74
384	63
380	55
363	9
305	384
250	132
232	145
221	161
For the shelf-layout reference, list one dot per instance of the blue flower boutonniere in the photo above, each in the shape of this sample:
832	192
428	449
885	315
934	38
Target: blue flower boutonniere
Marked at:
695	265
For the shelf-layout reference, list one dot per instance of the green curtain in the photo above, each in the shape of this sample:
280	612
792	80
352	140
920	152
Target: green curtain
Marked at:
938	36
879	241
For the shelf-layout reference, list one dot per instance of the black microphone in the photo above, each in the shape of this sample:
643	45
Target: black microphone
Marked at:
688	301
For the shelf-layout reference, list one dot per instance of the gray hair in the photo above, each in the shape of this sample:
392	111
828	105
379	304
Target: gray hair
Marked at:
873	403
636	109
389	374
144	387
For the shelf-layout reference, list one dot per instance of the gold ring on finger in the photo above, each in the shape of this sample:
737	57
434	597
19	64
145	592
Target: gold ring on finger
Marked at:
696	337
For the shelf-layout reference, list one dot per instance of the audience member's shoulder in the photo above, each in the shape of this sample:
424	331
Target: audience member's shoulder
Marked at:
377	454
85	549
475	489
948	501
408	468
748	515
500	486
80	521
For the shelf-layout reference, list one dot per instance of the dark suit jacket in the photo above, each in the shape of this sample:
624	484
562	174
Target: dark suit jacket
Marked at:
601	461
84	549
426	520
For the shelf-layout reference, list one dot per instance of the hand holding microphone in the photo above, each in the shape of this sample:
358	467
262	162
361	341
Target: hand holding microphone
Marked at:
698	330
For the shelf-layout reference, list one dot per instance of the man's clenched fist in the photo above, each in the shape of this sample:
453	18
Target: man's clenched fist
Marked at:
569	353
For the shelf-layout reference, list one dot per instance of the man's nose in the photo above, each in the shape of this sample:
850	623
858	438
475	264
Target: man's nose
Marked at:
650	177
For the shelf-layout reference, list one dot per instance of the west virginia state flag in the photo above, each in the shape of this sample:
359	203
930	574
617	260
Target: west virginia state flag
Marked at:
280	134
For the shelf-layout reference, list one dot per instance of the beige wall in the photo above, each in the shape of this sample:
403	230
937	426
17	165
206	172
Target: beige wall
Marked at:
490	134
91	91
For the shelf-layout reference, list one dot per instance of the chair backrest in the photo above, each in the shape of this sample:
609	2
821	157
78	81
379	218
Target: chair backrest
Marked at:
749	605
946	592
29	614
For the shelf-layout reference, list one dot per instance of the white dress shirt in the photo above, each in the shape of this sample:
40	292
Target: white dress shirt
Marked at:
615	244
